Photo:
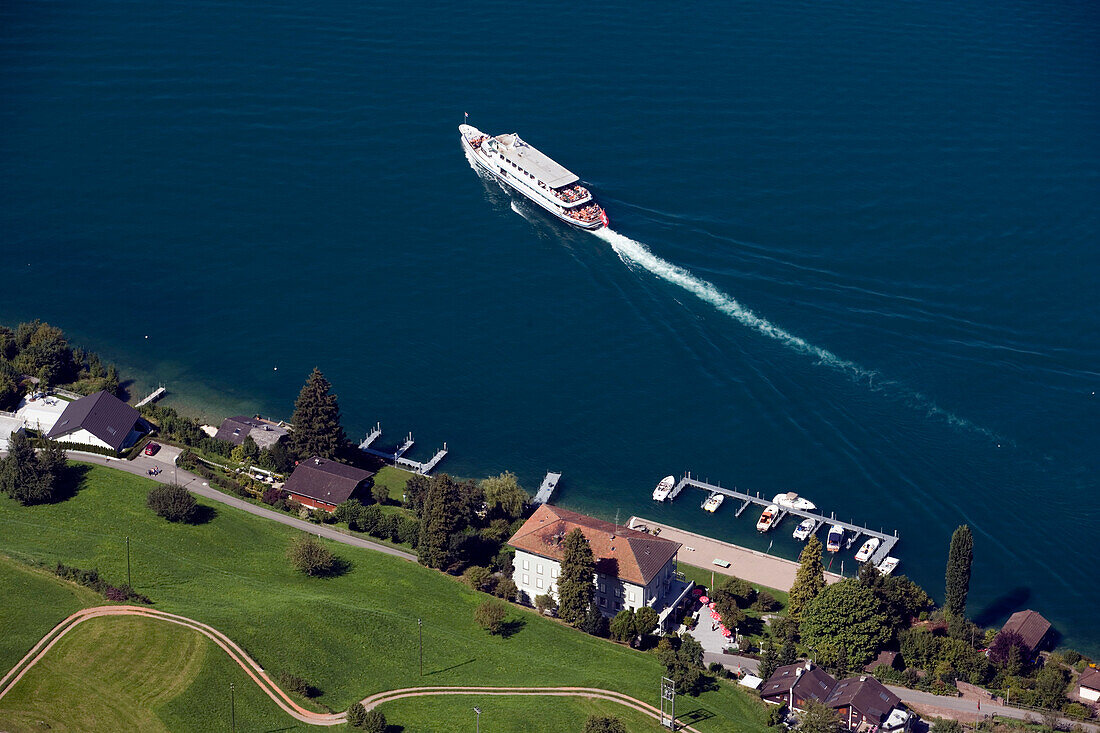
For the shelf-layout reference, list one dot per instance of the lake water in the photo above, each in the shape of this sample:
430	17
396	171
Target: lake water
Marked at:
853	248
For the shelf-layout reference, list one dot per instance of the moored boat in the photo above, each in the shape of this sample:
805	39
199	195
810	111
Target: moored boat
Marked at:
803	530
888	565
868	549
791	500
531	173
714	501
664	488
836	537
767	518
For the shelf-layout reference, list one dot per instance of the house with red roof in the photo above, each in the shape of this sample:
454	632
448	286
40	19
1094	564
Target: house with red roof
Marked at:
323	484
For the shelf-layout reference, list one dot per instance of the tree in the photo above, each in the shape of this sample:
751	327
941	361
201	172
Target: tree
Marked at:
357	715
348	512
277	458
604	724
490	616
846	614
769	662
309	556
441	515
645	620
944	725
819	718
623	627
959	559
504	496
575	580
809	581
506	589
374	721
45	353
27	477
691	651
595	623
380	493
317	429
250	450
478	578
544	603
686	676
173	502
1050	686
1007	651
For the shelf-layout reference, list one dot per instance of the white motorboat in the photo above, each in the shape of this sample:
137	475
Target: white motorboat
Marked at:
803	530
868	549
714	501
532	174
888	565
836	537
664	488
791	500
767	519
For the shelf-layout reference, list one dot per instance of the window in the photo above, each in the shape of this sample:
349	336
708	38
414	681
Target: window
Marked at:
538	582
526	579
631	596
602	588
526	564
538	568
553	571
603	602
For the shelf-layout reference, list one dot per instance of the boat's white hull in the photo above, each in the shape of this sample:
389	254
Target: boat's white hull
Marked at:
888	565
835	539
523	187
867	550
794	501
767	519
666	489
712	503
803	530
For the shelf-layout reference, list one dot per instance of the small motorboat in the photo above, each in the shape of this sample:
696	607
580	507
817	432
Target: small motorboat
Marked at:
836	537
767	519
803	530
664	488
714	501
791	500
888	565
868	549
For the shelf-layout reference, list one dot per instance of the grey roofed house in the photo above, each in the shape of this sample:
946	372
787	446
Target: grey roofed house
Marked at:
104	416
324	481
865	695
794	684
235	429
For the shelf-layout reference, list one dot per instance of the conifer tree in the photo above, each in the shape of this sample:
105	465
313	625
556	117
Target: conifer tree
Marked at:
317	429
809	581
959	559
575	581
440	516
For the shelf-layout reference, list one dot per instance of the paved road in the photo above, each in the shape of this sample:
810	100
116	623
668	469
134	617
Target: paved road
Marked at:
196	485
966	709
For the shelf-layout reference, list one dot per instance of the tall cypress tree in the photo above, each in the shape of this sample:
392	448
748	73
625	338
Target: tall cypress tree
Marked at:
440	516
959	559
809	581
317	429
575	583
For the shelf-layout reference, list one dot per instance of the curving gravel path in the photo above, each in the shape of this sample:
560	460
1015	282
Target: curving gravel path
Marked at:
259	676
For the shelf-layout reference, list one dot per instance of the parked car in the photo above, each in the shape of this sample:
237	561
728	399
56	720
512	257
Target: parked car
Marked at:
151	449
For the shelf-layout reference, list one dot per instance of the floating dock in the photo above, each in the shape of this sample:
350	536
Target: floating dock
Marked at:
853	531
153	396
547	489
397	456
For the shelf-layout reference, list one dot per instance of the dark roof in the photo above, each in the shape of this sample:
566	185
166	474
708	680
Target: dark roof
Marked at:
325	480
813	683
1030	626
887	658
865	694
101	414
235	429
619	552
1090	678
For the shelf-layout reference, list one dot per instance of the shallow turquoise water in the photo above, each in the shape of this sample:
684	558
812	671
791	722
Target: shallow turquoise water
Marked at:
854	256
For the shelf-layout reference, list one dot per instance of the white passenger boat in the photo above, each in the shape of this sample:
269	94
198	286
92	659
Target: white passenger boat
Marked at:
868	549
531	173
791	500
836	536
664	488
888	565
767	519
714	501
803	530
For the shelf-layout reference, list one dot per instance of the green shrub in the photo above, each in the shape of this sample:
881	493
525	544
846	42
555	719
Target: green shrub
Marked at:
173	502
604	724
357	715
478	578
374	722
490	616
1076	710
506	589
309	556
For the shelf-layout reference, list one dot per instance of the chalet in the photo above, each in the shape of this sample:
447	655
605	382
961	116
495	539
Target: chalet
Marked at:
861	703
1088	685
265	432
101	420
633	569
1031	627
323	484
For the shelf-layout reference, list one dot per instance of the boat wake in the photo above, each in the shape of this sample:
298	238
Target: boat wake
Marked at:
633	252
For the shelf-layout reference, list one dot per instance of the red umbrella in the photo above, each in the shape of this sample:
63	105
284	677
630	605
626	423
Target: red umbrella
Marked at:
712	604
697	592
727	633
715	615
704	599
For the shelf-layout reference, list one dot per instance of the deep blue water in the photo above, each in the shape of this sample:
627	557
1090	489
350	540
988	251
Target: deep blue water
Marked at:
854	249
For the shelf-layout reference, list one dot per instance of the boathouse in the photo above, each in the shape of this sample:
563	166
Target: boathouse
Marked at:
323	484
1032	628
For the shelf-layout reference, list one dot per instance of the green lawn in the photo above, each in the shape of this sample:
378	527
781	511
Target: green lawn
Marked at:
127	673
394	479
349	636
455	714
702	577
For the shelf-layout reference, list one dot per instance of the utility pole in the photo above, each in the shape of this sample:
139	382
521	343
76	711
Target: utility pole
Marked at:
128	562
478	711
668	703
420	628
232	708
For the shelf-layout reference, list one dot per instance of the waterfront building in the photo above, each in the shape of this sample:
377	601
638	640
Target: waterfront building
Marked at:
101	420
265	432
323	484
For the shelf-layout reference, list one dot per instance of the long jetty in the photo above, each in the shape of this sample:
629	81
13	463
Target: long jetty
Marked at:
397	456
547	489
153	396
854	531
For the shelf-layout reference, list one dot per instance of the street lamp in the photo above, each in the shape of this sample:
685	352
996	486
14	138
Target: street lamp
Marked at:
420	629
478	711
232	708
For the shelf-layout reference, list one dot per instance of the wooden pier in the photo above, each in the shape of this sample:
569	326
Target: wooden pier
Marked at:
397	456
153	396
547	489
853	531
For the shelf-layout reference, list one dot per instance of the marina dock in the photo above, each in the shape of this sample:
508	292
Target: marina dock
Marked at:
547	489
398	454
852	531
153	396
702	552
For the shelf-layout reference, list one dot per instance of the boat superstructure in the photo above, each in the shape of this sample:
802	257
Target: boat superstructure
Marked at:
836	536
791	500
530	172
767	518
664	489
713	502
804	529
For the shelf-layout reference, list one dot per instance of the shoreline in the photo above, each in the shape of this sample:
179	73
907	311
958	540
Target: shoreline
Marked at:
752	565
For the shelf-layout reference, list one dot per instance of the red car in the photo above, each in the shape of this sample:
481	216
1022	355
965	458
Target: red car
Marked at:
152	448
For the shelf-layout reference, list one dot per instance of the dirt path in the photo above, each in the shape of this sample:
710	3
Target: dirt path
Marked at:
260	677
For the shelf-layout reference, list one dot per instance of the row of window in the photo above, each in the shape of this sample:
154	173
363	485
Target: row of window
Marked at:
538	581
521	170
538	568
